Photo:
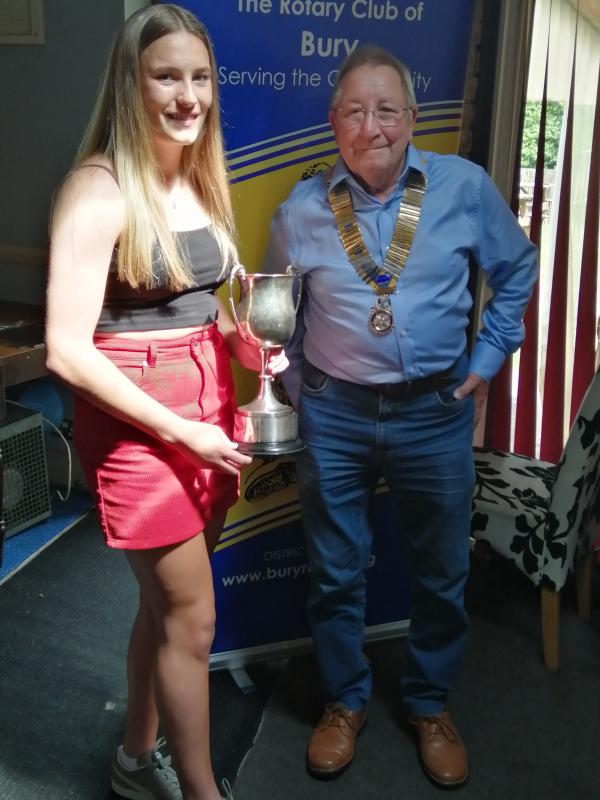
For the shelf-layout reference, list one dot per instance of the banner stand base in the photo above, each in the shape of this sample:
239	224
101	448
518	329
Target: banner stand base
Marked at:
234	661
242	680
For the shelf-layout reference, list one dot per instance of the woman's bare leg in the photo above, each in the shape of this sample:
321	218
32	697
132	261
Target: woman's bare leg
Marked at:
141	727
213	531
176	588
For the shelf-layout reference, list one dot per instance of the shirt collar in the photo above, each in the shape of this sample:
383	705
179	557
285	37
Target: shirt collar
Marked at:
414	158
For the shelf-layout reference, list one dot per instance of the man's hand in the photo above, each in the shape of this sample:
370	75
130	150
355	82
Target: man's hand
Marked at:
476	386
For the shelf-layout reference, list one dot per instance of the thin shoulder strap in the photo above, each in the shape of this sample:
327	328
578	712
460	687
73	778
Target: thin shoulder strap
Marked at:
100	166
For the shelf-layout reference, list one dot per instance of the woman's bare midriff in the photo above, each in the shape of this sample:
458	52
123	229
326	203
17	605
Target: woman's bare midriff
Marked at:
169	333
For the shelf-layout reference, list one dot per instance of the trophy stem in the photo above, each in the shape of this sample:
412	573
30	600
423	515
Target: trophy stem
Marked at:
265	380
265	401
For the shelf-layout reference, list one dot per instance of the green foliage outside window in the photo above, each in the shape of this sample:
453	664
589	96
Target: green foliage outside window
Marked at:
531	127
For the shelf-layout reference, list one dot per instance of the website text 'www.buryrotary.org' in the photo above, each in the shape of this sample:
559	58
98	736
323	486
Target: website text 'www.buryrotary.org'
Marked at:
270	573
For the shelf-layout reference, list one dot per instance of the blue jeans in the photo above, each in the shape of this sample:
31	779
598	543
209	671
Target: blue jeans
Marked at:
423	448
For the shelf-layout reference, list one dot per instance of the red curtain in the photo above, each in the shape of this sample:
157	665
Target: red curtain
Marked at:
526	414
554	376
585	337
497	415
498	410
557	371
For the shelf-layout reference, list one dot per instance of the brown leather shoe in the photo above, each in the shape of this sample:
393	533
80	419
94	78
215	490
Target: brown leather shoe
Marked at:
442	753
331	747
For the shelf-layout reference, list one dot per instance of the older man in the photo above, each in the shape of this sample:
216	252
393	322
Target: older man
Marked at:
384	385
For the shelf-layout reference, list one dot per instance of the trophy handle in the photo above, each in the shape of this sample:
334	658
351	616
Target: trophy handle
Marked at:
237	270
291	270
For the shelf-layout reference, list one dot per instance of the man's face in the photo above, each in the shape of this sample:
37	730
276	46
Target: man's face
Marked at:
373	125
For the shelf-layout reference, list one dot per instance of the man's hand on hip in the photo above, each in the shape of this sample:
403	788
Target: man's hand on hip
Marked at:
476	386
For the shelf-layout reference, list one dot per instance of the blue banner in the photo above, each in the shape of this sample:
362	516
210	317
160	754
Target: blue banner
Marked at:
277	63
278	59
261	573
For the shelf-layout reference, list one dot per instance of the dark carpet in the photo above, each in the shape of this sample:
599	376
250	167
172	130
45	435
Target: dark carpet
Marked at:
19	549
64	625
529	733
64	629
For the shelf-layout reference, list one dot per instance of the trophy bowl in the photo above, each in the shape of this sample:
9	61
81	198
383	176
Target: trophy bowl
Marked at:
265	316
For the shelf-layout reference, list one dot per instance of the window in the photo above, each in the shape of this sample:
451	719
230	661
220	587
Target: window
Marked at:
21	22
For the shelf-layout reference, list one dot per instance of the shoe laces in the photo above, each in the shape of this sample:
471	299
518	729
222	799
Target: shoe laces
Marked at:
226	786
437	727
337	717
165	771
160	743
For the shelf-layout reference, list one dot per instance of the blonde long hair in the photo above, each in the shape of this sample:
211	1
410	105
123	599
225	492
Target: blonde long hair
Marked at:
119	129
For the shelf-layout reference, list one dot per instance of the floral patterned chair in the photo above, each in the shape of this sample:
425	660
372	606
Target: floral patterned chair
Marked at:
544	517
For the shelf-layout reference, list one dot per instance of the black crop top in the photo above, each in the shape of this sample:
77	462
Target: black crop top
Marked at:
158	308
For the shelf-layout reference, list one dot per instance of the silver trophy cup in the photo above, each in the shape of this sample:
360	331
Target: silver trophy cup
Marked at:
265	316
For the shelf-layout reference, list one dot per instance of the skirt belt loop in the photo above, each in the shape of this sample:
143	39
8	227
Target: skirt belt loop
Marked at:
152	354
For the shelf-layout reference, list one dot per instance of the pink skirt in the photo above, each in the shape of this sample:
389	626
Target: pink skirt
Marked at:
146	493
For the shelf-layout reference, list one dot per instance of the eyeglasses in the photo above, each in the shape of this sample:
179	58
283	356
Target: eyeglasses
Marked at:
386	117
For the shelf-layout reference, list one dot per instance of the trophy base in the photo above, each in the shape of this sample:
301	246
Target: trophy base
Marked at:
271	449
269	433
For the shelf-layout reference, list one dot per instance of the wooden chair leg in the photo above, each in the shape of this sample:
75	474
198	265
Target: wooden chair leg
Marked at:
550	627
583	577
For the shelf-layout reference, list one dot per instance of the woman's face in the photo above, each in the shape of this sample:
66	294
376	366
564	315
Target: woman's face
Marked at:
176	87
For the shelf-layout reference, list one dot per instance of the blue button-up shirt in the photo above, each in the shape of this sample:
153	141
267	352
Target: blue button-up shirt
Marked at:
462	214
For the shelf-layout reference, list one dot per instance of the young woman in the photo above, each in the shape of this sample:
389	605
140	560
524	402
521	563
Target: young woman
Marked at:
142	235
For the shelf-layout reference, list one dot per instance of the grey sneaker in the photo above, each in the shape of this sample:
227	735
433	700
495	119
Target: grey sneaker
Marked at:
155	778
